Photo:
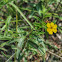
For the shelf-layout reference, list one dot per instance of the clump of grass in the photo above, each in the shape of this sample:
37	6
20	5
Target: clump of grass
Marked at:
22	27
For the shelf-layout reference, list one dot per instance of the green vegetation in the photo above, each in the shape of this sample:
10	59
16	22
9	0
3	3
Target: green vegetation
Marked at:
23	30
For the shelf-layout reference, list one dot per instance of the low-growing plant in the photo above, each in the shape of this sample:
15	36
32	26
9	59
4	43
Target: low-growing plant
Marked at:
23	25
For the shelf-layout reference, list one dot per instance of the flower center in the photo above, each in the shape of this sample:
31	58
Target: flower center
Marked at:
51	27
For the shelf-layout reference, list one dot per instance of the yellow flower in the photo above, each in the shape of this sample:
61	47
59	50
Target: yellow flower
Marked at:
52	24
48	24
54	30
51	27
55	26
51	32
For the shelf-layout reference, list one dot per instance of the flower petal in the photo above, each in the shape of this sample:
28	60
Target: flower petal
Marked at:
54	30
48	25
48	29
55	26
52	24
51	32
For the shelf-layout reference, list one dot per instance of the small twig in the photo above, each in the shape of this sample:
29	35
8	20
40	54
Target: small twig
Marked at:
10	57
54	54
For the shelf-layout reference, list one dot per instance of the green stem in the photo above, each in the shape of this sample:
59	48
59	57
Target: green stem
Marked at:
21	14
16	21
10	21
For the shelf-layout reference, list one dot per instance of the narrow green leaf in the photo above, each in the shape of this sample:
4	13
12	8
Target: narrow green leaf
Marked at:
21	14
20	43
3	49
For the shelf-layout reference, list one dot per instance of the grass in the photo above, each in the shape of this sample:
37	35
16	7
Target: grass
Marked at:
23	30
